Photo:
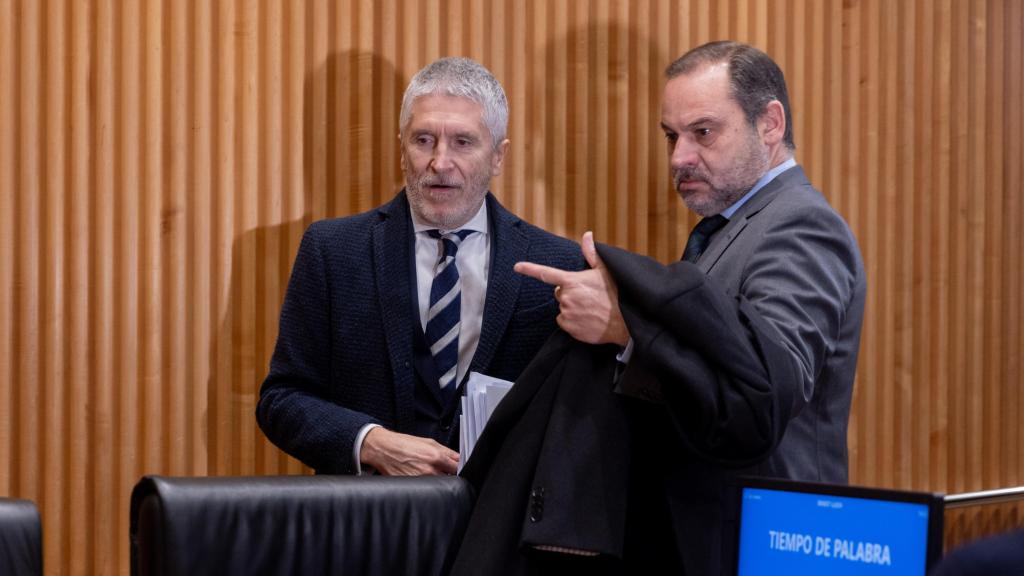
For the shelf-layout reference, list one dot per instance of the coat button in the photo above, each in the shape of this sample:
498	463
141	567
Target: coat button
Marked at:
537	504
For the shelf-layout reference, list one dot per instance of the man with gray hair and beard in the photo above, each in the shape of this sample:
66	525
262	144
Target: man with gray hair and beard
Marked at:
388	311
740	358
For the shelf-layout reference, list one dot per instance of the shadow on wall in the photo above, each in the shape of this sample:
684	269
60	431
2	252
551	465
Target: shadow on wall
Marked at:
596	103
349	164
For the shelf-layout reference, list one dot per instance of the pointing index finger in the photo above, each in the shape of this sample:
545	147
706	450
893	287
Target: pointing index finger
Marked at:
545	274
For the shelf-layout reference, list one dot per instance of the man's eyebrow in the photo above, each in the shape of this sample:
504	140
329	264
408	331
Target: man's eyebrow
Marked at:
701	121
698	122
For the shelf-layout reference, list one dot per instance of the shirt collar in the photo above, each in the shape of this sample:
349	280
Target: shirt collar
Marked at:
761	183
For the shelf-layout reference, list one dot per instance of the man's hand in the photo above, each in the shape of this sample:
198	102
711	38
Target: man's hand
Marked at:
589	299
395	454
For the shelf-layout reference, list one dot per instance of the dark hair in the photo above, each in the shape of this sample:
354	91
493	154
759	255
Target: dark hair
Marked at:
755	78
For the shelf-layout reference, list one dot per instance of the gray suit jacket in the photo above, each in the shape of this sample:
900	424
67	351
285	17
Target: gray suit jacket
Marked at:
795	260
743	363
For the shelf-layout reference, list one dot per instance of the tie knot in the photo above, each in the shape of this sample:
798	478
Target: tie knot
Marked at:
701	235
711	224
450	240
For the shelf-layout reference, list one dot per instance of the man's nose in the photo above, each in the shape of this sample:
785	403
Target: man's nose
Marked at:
684	154
442	160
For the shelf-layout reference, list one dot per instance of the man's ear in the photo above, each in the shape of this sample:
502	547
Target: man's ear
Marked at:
772	123
498	159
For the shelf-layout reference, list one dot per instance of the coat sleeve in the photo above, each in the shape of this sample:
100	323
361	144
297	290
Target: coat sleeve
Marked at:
294	409
734	369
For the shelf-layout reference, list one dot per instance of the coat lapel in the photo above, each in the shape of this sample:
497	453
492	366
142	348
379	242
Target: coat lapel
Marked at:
508	246
392	257
738	223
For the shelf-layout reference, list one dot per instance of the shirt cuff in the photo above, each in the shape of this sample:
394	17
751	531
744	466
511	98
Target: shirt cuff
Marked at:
357	447
626	353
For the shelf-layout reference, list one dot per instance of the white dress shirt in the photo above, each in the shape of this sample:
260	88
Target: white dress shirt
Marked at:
474	262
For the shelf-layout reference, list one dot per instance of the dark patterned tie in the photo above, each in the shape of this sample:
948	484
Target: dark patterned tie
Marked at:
445	309
701	235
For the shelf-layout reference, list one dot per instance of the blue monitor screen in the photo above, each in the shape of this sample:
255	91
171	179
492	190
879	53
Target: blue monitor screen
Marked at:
784	532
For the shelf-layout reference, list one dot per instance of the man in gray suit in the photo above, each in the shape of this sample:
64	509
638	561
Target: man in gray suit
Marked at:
741	357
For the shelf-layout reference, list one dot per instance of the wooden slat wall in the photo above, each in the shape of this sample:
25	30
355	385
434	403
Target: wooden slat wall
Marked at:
159	161
963	525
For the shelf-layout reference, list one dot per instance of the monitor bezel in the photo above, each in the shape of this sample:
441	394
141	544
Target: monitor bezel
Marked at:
933	500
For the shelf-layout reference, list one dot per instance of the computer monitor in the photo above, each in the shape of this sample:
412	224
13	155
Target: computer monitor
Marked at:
793	528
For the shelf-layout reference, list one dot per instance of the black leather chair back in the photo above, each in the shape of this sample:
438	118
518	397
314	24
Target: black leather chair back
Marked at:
21	538
297	525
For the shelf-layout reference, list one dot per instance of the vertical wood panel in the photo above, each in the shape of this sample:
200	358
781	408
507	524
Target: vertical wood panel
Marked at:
26	317
159	161
101	469
904	223
959	299
920	300
172	224
128	426
8	405
204	324
53	371
78	509
222	225
944	233
992	301
1013	241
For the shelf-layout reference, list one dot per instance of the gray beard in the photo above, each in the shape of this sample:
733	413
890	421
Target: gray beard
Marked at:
719	200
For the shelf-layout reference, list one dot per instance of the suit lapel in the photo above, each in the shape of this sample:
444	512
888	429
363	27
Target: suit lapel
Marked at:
738	223
391	251
508	246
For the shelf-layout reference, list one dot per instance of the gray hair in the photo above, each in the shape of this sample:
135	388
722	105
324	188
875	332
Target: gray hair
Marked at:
465	78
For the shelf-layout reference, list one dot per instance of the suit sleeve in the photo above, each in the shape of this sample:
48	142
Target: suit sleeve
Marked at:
734	369
294	408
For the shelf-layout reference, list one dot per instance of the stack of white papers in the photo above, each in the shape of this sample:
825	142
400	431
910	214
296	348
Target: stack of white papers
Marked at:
482	396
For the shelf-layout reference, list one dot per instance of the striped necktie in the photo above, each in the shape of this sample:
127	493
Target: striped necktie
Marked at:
445	310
